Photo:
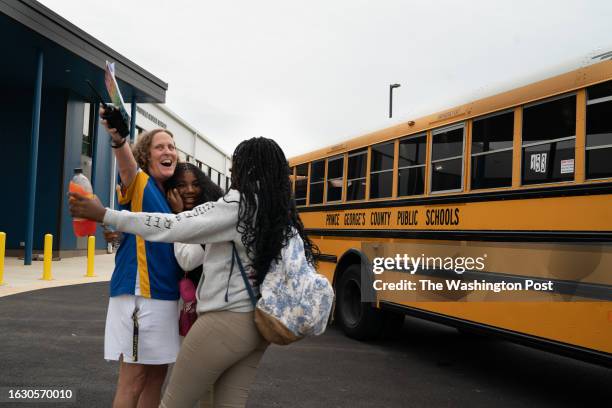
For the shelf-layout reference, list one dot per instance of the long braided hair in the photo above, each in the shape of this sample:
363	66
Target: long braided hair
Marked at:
267	212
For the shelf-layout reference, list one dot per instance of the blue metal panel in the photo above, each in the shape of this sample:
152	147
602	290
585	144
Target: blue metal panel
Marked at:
102	185
94	139
27	260
73	143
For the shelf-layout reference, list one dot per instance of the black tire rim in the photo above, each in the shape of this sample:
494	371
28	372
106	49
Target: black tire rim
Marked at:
351	303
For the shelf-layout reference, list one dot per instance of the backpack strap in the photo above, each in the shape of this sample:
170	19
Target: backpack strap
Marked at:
247	284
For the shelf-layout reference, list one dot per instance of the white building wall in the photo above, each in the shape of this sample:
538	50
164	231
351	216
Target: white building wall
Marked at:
194	146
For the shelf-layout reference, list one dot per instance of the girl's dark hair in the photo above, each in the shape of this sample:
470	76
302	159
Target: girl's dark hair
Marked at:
210	191
267	212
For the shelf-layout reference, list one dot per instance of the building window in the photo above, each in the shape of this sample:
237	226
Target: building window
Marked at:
335	178
447	159
492	151
411	165
549	137
227	183
599	131
317	180
356	177
301	184
214	176
381	170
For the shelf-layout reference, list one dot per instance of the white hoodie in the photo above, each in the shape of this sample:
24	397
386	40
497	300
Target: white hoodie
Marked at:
213	224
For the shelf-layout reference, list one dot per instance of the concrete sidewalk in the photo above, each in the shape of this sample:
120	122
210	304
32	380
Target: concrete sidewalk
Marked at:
68	271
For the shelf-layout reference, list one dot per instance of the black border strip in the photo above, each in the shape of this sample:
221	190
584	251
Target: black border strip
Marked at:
564	287
532	193
327	258
470	235
593	356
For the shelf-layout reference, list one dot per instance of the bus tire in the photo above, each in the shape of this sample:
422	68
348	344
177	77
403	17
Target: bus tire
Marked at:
358	320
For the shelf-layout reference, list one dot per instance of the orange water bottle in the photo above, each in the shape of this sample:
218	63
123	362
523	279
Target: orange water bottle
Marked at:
80	184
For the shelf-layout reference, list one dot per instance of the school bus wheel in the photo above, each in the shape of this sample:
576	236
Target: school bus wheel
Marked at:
357	319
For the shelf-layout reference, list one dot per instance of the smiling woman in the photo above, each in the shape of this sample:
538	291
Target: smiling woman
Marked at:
141	323
155	153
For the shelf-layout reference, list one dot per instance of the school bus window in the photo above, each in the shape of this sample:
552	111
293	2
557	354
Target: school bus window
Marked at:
301	184
356	177
381	170
335	178
317	178
549	137
599	131
492	151
411	165
447	159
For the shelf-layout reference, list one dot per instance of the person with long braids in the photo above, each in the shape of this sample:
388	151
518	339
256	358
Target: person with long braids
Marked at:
222	350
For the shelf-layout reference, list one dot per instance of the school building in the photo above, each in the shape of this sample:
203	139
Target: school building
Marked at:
49	125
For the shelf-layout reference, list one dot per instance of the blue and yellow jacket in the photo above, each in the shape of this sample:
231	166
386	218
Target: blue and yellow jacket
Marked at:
143	268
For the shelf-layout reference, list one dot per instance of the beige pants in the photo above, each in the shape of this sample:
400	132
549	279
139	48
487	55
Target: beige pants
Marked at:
217	362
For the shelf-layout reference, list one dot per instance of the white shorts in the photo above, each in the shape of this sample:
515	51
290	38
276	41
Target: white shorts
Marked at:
155	341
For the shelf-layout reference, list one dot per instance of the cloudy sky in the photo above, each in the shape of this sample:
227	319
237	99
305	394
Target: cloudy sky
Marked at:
312	73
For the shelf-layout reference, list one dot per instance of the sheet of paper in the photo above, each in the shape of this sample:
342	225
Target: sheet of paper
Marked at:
113	90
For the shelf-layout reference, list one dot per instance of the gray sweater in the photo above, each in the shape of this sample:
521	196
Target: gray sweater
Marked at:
213	224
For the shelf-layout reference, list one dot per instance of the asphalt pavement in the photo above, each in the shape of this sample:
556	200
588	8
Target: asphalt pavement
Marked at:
54	338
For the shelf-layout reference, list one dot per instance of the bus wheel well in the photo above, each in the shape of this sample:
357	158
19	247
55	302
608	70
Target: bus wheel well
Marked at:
351	257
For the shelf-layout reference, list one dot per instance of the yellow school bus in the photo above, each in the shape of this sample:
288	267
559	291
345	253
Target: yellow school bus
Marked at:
521	179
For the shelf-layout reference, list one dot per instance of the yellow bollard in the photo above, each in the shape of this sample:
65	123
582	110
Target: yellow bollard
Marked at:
47	257
2	247
91	248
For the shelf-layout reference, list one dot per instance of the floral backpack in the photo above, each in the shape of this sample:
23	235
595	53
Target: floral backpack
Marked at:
295	300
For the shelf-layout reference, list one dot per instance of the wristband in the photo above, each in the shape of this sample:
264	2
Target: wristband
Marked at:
118	145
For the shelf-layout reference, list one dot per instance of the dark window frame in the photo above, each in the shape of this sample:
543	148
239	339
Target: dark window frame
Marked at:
322	181
489	152
588	148
454	126
372	172
298	200
327	180
548	141
424	165
365	173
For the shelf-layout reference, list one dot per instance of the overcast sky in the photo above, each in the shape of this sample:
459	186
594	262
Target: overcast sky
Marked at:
312	73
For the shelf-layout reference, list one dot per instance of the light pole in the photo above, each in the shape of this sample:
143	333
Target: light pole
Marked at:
391	87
